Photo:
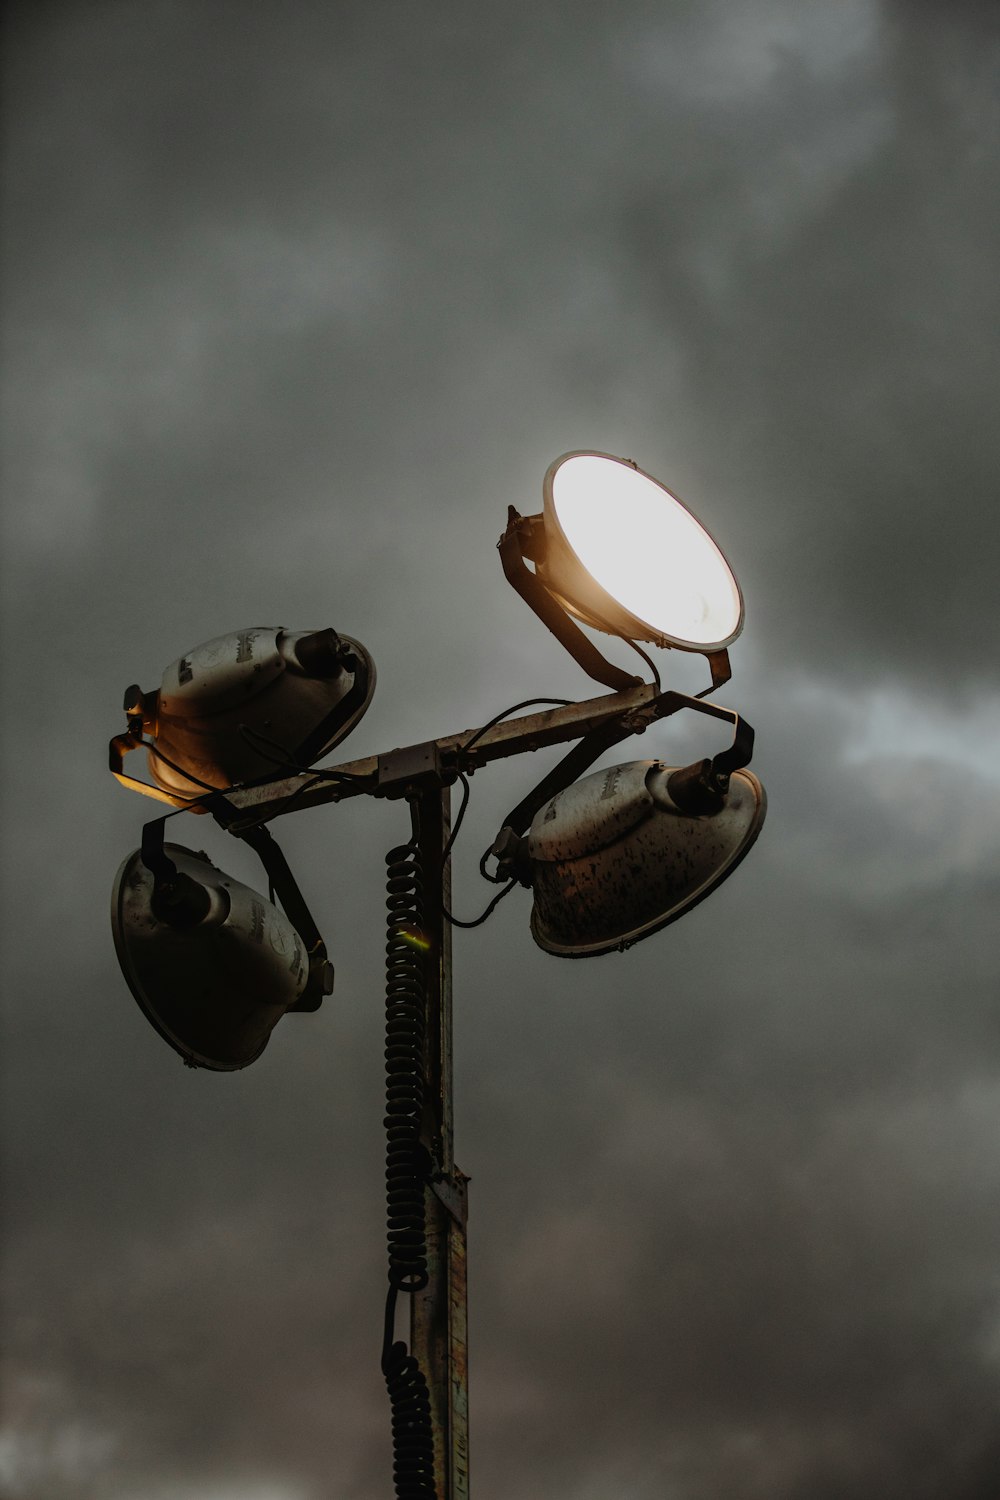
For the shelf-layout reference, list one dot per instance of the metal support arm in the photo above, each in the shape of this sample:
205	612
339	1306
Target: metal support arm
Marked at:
388	774
538	599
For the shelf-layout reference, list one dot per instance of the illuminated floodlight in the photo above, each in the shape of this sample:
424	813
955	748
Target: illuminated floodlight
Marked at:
615	549
627	556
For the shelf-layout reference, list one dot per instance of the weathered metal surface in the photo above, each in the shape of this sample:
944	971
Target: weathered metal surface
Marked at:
212	720
453	1193
214	989
642	705
598	887
438	1338
592	813
458	1389
401	772
438	1311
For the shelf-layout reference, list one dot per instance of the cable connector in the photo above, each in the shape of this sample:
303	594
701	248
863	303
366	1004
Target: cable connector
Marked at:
510	850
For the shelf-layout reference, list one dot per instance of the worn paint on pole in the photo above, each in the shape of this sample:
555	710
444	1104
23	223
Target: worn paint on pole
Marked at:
438	1328
438	1312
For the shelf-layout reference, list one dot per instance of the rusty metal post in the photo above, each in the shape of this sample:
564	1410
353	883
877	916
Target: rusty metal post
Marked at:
438	1312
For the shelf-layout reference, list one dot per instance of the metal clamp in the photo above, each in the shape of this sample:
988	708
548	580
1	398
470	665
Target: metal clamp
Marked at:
119	747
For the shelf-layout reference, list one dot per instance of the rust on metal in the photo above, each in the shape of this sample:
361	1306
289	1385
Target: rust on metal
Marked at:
552	726
438	1318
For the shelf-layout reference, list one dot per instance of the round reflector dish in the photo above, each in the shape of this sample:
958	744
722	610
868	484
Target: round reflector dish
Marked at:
645	549
613	859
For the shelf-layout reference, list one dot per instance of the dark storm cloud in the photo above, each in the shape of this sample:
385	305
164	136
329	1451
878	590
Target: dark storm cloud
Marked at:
294	305
705	1229
807	295
840	337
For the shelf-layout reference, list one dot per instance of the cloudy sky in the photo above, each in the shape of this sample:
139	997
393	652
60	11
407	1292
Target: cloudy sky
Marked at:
296	300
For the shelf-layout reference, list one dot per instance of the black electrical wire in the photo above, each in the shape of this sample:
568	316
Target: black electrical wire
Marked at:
478	921
497	879
466	791
317	775
285	762
462	750
188	775
210	792
246	730
527	703
493	879
303	787
650	663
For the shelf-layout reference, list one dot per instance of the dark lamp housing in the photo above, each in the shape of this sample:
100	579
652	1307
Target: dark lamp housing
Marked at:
620	854
242	706
213	964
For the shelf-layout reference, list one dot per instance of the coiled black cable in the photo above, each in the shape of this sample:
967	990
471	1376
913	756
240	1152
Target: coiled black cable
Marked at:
412	1430
407	1163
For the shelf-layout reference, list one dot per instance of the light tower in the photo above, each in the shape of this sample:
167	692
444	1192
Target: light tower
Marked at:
235	730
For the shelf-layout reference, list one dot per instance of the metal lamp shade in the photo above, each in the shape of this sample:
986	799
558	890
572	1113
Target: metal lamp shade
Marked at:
213	989
613	859
233	708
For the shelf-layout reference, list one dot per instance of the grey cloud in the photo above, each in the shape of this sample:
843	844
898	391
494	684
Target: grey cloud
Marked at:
293	308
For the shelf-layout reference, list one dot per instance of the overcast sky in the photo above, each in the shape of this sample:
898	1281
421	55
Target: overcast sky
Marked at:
296	300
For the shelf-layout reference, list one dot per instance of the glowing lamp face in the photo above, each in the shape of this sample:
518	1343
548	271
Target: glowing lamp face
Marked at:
644	549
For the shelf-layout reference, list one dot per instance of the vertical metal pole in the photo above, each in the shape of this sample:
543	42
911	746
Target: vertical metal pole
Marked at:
438	1312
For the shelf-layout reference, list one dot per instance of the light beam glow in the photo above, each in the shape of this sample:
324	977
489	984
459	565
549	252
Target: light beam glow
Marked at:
646	550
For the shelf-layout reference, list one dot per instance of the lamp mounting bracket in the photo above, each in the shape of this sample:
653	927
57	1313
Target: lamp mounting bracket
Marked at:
170	886
571	768
718	665
704	783
414	768
739	753
120	746
467	750
524	538
451	1189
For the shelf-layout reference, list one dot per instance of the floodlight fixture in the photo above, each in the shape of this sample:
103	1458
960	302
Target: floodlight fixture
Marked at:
616	550
239	707
610	856
213	964
620	854
613	857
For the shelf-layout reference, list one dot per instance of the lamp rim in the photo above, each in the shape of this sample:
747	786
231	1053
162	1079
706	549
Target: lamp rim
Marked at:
607	613
192	864
726	866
